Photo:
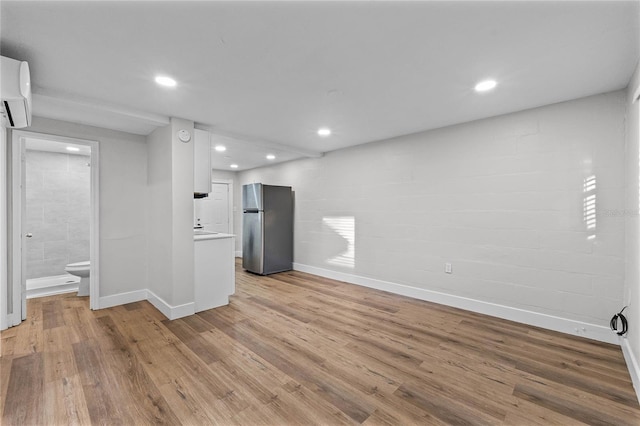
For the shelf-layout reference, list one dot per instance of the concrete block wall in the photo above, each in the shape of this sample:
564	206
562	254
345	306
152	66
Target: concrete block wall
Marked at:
501	199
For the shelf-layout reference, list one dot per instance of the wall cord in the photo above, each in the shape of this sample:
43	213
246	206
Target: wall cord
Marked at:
623	320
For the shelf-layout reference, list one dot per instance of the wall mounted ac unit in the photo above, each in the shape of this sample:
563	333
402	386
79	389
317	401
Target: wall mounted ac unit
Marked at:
15	92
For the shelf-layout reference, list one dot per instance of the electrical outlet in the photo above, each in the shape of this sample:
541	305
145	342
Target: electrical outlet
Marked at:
447	268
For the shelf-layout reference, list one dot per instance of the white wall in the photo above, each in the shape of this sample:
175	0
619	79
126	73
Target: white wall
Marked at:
501	199
632	275
223	174
170	225
159	223
123	211
182	194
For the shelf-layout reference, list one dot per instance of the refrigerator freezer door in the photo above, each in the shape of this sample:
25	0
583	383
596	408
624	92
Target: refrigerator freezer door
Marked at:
253	242
278	229
252	197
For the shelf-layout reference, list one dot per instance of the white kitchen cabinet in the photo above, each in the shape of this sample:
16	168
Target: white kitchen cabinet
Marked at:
215	272
201	162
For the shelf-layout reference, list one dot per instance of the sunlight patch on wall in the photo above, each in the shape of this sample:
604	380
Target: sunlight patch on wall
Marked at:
345	227
589	206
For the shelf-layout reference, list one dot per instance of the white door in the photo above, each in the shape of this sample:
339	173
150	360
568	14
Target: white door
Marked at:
219	205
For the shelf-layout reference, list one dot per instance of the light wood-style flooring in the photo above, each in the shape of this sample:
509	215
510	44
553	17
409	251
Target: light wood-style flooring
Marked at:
296	349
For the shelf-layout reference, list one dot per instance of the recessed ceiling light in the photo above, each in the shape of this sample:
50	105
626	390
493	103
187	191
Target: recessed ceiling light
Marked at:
271	157
163	80
234	166
324	131
73	149
220	148
485	85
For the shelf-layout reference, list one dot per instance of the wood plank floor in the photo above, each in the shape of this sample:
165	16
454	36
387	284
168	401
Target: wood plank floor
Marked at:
296	349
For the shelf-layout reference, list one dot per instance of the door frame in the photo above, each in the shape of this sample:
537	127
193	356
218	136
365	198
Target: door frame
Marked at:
18	201
229	183
5	303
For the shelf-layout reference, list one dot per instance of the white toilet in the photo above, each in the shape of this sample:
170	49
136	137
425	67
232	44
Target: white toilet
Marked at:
80	269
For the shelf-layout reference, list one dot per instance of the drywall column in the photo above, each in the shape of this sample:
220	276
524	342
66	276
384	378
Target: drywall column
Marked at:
182	196
159	223
170	224
631	344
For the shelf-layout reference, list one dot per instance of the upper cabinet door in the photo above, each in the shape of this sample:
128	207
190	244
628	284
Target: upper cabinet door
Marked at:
201	162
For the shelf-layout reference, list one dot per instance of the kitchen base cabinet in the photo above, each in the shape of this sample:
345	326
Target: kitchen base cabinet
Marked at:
215	272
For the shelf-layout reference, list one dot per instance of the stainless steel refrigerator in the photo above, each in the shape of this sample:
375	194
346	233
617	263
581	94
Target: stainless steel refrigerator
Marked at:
267	228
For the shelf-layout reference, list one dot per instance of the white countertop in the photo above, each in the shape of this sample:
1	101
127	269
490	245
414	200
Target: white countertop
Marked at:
206	235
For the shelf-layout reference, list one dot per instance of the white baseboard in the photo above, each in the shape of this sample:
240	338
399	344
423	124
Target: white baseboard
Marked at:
239	253
550	322
171	312
50	286
632	364
122	298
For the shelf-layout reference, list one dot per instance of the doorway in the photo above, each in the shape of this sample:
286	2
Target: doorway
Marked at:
221	218
215	212
54	217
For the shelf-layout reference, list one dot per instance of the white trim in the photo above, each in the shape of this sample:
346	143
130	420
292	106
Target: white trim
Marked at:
171	312
550	322
238	253
4	232
18	199
94	228
123	298
632	365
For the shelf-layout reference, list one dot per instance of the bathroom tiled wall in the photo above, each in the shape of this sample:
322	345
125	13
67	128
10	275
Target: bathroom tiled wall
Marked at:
58	211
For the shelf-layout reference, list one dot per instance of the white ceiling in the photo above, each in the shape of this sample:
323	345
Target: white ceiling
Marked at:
271	73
